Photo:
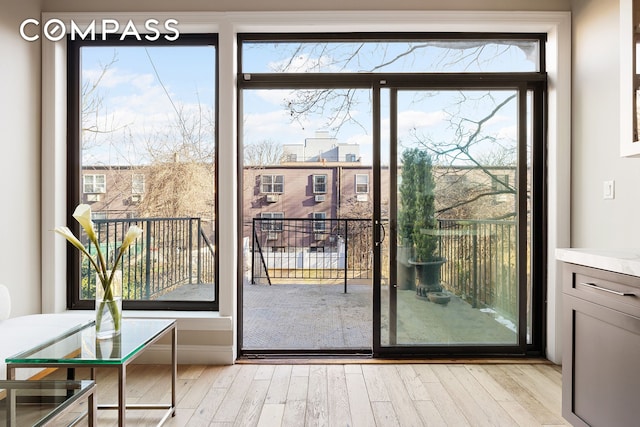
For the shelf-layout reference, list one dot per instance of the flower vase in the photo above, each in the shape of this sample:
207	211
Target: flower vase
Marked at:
108	307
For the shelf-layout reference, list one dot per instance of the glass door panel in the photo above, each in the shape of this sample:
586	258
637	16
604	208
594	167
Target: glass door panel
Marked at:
307	221
457	219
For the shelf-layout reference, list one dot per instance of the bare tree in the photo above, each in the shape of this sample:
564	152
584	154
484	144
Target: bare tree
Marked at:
178	189
470	191
379	56
95	119
266	152
176	159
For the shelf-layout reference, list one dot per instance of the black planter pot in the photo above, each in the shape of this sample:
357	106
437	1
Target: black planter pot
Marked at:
406	271
428	273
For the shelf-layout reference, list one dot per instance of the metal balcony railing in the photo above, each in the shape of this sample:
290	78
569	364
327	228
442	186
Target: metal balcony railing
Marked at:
480	267
481	264
311	249
170	253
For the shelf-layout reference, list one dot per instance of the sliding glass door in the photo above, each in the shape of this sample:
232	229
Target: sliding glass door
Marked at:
408	166
455	271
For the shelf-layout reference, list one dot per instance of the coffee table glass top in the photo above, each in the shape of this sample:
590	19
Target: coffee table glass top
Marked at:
34	403
79	345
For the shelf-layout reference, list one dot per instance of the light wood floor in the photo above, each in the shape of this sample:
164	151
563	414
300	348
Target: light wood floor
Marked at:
352	394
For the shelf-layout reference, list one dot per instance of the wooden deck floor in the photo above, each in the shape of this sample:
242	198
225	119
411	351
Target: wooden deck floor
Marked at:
350	394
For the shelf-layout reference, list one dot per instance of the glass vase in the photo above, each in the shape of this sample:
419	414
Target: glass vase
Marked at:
108	307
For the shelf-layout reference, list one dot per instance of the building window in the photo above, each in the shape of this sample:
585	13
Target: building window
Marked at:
96	216
350	158
270	221
137	184
362	184
319	184
112	85
272	183
320	224
94	184
291	157
500	183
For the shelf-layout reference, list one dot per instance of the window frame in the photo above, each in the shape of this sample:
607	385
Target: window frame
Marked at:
74	168
523	80
319	221
272	184
94	187
316	184
359	184
134	184
274	224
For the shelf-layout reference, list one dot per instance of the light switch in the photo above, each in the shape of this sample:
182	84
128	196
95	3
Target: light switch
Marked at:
609	190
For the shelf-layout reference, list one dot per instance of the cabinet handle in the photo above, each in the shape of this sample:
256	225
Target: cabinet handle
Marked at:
600	288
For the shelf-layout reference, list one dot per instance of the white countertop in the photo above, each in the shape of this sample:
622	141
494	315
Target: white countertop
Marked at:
624	261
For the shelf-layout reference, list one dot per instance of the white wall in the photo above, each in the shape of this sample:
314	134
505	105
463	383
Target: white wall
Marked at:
20	158
596	222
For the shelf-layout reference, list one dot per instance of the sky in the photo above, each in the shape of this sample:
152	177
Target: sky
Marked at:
143	89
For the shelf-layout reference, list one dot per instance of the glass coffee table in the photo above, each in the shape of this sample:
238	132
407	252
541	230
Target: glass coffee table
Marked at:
46	403
79	348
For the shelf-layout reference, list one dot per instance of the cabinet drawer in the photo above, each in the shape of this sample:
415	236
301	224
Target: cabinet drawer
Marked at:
600	379
618	291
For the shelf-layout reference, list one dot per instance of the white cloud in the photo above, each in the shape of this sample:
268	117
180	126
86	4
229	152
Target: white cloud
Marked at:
303	64
135	109
509	133
412	119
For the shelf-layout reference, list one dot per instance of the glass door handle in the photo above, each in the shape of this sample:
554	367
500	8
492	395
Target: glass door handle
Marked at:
383	233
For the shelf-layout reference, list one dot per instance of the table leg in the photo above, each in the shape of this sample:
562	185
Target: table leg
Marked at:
174	368
92	409
11	407
71	376
122	396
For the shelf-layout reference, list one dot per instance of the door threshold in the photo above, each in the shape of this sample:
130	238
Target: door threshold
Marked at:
346	359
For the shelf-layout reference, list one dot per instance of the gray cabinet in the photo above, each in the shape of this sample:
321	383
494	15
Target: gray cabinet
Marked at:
601	350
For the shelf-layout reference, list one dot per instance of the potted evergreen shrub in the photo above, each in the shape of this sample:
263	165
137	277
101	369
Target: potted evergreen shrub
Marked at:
417	223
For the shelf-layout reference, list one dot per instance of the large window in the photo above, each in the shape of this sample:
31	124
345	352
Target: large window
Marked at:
144	113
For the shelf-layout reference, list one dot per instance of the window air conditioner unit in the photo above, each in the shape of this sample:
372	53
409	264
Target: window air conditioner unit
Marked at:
272	235
272	198
93	197
136	198
320	198
362	197
318	236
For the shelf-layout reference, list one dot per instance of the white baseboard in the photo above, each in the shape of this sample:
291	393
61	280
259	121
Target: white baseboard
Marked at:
189	355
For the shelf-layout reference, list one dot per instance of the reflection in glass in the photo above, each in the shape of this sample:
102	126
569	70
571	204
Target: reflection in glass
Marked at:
457	210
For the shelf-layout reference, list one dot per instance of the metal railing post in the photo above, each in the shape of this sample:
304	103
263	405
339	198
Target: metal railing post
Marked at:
346	252
474	260
190	246
253	249
147	267
199	246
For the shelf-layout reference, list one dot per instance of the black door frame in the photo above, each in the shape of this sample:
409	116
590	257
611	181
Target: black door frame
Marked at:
525	81
537	162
